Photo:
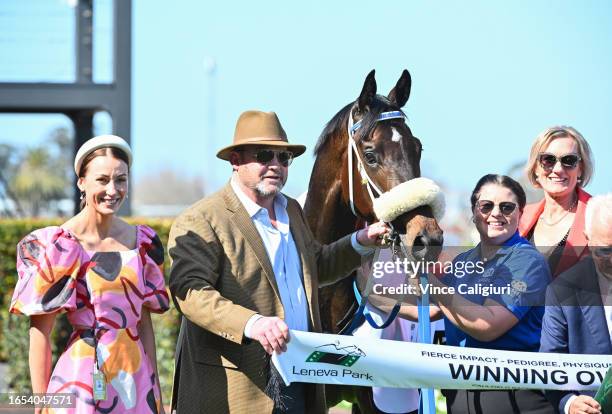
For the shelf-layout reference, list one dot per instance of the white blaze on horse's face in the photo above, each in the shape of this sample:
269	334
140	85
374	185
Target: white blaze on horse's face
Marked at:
396	137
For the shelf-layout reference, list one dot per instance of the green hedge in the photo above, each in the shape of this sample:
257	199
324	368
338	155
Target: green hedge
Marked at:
14	339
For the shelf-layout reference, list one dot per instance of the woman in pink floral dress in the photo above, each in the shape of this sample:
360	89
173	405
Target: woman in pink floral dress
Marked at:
108	276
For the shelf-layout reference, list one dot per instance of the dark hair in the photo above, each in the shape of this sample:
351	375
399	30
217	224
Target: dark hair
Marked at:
504	181
100	152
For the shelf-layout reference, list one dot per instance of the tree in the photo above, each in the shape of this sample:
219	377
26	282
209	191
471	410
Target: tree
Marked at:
38	181
36	177
8	164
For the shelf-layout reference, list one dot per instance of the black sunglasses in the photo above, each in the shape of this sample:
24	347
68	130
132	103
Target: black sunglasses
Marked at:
486	206
264	156
568	161
601	251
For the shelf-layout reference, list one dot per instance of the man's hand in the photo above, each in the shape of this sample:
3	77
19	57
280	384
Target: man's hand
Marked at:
372	235
584	404
272	333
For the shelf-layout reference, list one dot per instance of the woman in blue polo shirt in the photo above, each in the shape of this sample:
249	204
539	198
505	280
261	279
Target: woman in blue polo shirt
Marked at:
509	316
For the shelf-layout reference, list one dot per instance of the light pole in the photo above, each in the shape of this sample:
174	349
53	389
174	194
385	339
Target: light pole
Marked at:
210	69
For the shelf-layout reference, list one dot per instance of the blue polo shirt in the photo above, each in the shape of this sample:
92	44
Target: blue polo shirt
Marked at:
522	274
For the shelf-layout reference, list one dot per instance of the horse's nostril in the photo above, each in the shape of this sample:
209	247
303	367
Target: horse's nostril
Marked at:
426	247
421	241
419	247
437	240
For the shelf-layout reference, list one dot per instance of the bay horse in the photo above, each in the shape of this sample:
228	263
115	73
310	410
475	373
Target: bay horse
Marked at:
391	155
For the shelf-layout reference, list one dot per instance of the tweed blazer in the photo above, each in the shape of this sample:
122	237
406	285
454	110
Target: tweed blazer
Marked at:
220	276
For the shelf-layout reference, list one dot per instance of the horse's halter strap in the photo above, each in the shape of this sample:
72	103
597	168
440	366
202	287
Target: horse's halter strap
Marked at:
352	147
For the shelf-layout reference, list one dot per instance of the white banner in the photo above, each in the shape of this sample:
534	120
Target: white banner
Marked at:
348	360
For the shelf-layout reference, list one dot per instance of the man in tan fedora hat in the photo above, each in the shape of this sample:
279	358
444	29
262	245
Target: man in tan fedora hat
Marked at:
245	270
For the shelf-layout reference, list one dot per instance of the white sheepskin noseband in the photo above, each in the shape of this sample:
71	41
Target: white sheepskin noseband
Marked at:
408	196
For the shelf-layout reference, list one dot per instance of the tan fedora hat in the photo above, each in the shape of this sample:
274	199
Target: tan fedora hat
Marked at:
260	128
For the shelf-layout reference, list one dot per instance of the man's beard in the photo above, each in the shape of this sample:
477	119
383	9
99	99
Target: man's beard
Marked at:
271	191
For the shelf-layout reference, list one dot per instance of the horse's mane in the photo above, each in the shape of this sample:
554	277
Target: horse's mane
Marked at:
339	121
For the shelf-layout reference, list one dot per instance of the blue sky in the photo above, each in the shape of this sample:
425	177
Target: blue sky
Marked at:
487	77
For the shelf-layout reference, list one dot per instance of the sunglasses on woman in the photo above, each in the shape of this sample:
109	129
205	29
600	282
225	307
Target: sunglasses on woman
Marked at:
486	206
568	161
265	156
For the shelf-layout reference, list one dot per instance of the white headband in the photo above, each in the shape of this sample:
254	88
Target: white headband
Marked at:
408	196
98	142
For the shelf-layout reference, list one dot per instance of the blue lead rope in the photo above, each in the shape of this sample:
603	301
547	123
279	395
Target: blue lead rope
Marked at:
428	403
363	312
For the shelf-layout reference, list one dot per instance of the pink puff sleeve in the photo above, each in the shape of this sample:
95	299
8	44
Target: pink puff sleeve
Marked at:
48	262
152	251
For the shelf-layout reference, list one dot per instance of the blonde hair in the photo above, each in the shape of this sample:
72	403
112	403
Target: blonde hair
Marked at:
542	140
598	213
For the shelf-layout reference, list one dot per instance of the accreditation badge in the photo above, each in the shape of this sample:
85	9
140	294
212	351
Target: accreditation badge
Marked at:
99	386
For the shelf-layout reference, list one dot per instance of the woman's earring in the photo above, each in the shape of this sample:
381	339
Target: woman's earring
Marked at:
82	195
579	179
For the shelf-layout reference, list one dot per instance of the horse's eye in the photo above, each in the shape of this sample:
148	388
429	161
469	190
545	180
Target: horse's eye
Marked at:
370	158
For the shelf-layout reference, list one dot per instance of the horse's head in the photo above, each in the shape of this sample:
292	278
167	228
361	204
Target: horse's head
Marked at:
390	155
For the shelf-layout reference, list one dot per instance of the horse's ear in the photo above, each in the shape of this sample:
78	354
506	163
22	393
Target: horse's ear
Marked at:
367	92
400	94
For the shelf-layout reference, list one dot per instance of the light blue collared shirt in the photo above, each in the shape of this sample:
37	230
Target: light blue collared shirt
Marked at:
283	255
